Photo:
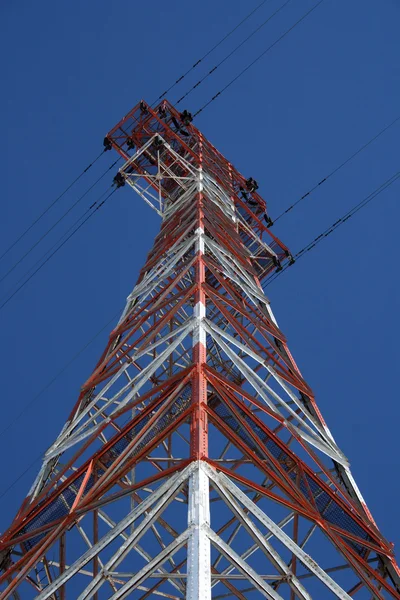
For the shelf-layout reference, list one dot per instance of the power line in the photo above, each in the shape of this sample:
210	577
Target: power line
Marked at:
258	58
64	368
345	162
61	245
50	206
225	37
354	210
60	239
14	483
196	85
161	96
196	64
42	391
91	164
20	260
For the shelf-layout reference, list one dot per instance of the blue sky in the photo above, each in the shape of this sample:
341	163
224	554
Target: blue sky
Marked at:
71	70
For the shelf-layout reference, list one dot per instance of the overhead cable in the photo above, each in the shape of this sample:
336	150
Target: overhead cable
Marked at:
257	58
338	223
196	85
91	210
196	64
345	162
20	260
37	219
60	372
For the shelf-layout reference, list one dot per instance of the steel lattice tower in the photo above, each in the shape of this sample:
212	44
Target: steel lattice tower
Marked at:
195	463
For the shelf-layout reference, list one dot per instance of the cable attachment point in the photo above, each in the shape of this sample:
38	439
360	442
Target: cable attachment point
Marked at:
130	143
268	220
277	264
186	117
290	257
251	184
119	180
162	110
158	143
107	144
243	194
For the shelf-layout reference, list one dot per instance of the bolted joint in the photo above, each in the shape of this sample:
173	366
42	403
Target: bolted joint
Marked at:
162	110
158	143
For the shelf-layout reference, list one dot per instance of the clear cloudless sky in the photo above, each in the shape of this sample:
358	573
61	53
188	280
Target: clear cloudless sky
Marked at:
71	70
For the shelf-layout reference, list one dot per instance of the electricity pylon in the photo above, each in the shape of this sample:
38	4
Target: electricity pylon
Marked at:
195	463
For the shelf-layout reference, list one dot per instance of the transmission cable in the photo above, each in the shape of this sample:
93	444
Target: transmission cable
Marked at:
62	370
196	64
258	58
196	85
355	209
337	168
51	205
14	483
91	210
42	391
60	239
20	260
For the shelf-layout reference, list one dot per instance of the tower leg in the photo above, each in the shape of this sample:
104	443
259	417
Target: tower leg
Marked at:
199	551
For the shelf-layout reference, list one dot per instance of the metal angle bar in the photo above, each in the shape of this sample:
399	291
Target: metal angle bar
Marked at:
165	338
69	426
326	448
255	547
138	548
168	486
173	547
237	267
142	193
142	377
163	264
173	208
199	551
227	205
126	454
311	564
249	289
162	268
146	146
255	380
262	543
252	234
71	441
156	278
262	586
225	256
130	543
139	152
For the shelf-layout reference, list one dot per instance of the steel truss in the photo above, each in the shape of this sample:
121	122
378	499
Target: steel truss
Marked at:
195	463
